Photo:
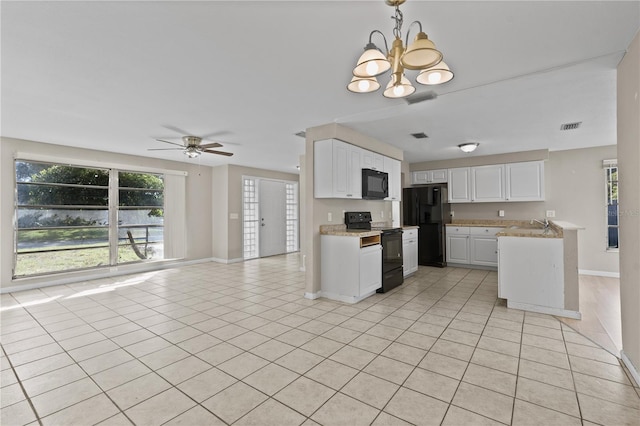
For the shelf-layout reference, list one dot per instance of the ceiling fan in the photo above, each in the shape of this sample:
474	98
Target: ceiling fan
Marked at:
192	147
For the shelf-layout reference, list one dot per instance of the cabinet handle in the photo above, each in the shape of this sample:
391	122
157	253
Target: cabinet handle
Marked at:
349	195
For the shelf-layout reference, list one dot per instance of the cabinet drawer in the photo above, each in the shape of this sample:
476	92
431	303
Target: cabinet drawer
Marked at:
457	230
488	231
409	234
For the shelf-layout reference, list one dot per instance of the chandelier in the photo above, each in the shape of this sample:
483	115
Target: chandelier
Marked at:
421	55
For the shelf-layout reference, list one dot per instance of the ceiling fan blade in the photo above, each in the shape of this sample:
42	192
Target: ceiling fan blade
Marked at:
165	149
177	129
210	145
172	143
210	151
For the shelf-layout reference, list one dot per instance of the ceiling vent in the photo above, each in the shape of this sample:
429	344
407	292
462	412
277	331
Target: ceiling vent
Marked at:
301	134
421	97
421	135
571	126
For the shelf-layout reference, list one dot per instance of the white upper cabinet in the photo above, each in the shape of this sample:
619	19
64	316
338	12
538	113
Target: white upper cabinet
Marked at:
525	181
497	183
392	167
460	185
372	160
337	170
487	183
429	176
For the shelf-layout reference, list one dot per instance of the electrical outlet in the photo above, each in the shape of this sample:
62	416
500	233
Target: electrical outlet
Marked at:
329	217
382	213
451	214
551	213
501	213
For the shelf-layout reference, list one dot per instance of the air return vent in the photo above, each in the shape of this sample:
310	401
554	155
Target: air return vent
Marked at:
301	134
421	97
421	135
571	126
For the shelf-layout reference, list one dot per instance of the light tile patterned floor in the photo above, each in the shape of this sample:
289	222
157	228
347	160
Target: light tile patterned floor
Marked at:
238	344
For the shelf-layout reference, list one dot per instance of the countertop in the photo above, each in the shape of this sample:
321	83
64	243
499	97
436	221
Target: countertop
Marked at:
514	228
341	231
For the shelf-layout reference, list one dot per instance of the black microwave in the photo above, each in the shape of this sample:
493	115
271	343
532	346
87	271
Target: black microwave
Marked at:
375	184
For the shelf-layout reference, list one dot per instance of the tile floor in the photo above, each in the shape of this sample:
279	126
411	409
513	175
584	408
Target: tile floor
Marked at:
213	344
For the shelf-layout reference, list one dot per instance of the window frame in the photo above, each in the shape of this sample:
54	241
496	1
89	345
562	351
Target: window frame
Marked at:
610	167
112	214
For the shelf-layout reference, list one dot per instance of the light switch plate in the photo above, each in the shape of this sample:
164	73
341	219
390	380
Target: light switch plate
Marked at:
551	213
329	217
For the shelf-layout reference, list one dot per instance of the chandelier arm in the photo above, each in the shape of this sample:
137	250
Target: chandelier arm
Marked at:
386	46
406	43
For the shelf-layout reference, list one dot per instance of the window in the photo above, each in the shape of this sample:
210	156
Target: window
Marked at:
292	217
611	169
250	217
66	214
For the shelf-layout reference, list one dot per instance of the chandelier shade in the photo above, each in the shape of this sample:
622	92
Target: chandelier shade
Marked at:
398	90
363	85
421	54
371	63
437	74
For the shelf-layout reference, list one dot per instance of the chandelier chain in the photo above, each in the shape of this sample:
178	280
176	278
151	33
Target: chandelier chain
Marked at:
397	31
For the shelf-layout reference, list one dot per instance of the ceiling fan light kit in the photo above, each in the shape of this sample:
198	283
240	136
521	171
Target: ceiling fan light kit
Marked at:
421	55
468	146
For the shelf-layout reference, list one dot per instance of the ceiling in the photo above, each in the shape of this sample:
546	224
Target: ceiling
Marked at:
117	75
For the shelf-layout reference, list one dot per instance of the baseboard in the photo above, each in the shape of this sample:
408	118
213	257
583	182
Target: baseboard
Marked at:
544	310
312	296
343	298
227	261
632	369
599	273
81	276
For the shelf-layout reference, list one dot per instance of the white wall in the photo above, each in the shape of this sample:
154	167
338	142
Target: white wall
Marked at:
198	199
574	188
629	180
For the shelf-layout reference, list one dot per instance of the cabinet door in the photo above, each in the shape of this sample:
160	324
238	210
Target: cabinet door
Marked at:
370	269
525	181
487	183
484	251
418	178
372	160
459	185
354	182
439	176
341	169
392	167
458	248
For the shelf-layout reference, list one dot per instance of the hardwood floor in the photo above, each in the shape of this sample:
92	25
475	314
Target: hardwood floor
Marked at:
600	307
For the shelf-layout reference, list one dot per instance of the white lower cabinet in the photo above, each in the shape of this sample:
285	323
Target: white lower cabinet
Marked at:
457	244
472	245
409	251
350	267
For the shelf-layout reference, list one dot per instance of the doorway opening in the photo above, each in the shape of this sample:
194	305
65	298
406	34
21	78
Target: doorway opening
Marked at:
269	217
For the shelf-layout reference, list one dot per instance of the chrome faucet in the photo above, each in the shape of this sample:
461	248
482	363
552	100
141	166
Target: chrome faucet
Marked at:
545	223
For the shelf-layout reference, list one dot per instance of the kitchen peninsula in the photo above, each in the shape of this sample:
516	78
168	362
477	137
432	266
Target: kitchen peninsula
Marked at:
537	264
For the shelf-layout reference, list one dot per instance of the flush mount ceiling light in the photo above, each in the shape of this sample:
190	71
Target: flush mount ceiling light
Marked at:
469	146
421	55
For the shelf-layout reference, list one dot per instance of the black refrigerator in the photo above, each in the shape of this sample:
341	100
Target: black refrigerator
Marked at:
428	208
